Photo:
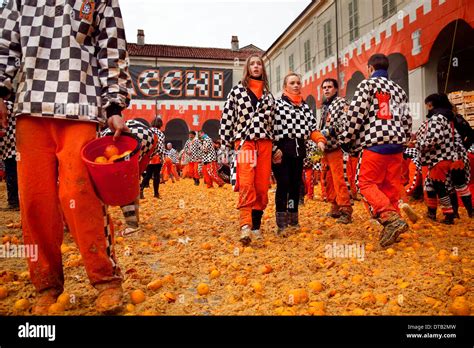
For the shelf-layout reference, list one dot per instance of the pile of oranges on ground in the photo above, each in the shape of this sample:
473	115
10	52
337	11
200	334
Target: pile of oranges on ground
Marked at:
187	261
111	153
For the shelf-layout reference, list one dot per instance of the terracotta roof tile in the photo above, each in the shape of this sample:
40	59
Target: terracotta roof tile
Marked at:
168	51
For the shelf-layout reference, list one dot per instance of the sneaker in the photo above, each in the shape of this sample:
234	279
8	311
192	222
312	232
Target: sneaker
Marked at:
257	234
412	215
333	214
129	230
45	299
391	231
245	233
344	219
110	299
448	219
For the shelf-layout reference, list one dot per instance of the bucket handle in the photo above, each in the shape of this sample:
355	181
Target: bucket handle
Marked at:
134	151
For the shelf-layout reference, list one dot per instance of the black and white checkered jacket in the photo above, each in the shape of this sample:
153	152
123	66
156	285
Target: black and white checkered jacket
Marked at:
367	125
172	154
72	58
8	141
160	145
193	150
293	122
241	121
335	121
437	140
145	135
414	155
208	150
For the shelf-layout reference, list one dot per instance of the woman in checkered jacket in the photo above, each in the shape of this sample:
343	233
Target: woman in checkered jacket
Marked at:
440	148
247	128
294	124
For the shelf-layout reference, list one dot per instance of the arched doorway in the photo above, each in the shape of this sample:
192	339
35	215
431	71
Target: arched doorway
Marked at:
176	133
352	84
461	71
311	101
211	128
398	70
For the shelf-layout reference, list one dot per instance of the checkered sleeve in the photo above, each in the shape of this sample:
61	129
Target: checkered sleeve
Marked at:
339	120
226	130
406	118
433	135
160	145
358	109
10	48
112	56
313	123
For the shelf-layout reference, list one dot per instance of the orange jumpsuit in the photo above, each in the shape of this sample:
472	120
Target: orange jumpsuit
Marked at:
253	174
52	147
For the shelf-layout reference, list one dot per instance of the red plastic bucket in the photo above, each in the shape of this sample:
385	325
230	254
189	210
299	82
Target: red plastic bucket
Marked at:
116	183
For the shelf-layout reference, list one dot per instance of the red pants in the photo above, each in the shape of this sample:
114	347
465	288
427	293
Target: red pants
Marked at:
50	152
309	181
254	164
379	182
194	169
322	182
169	169
209	171
336	188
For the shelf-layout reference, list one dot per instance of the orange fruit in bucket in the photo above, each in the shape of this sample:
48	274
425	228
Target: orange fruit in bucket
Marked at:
110	151
101	159
126	153
113	158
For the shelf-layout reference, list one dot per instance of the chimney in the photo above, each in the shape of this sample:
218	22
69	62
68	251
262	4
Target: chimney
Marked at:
141	37
235	43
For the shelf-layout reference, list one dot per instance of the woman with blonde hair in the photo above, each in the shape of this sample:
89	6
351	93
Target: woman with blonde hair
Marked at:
247	128
294	124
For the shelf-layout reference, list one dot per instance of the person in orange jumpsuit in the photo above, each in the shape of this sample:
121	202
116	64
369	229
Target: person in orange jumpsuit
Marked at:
331	125
378	124
442	150
171	160
70	83
247	128
193	151
209	159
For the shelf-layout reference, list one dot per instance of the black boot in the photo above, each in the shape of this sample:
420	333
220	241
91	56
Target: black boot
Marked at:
281	221
293	219
256	219
142	196
196	182
453	197
448	219
156	187
467	201
431	214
